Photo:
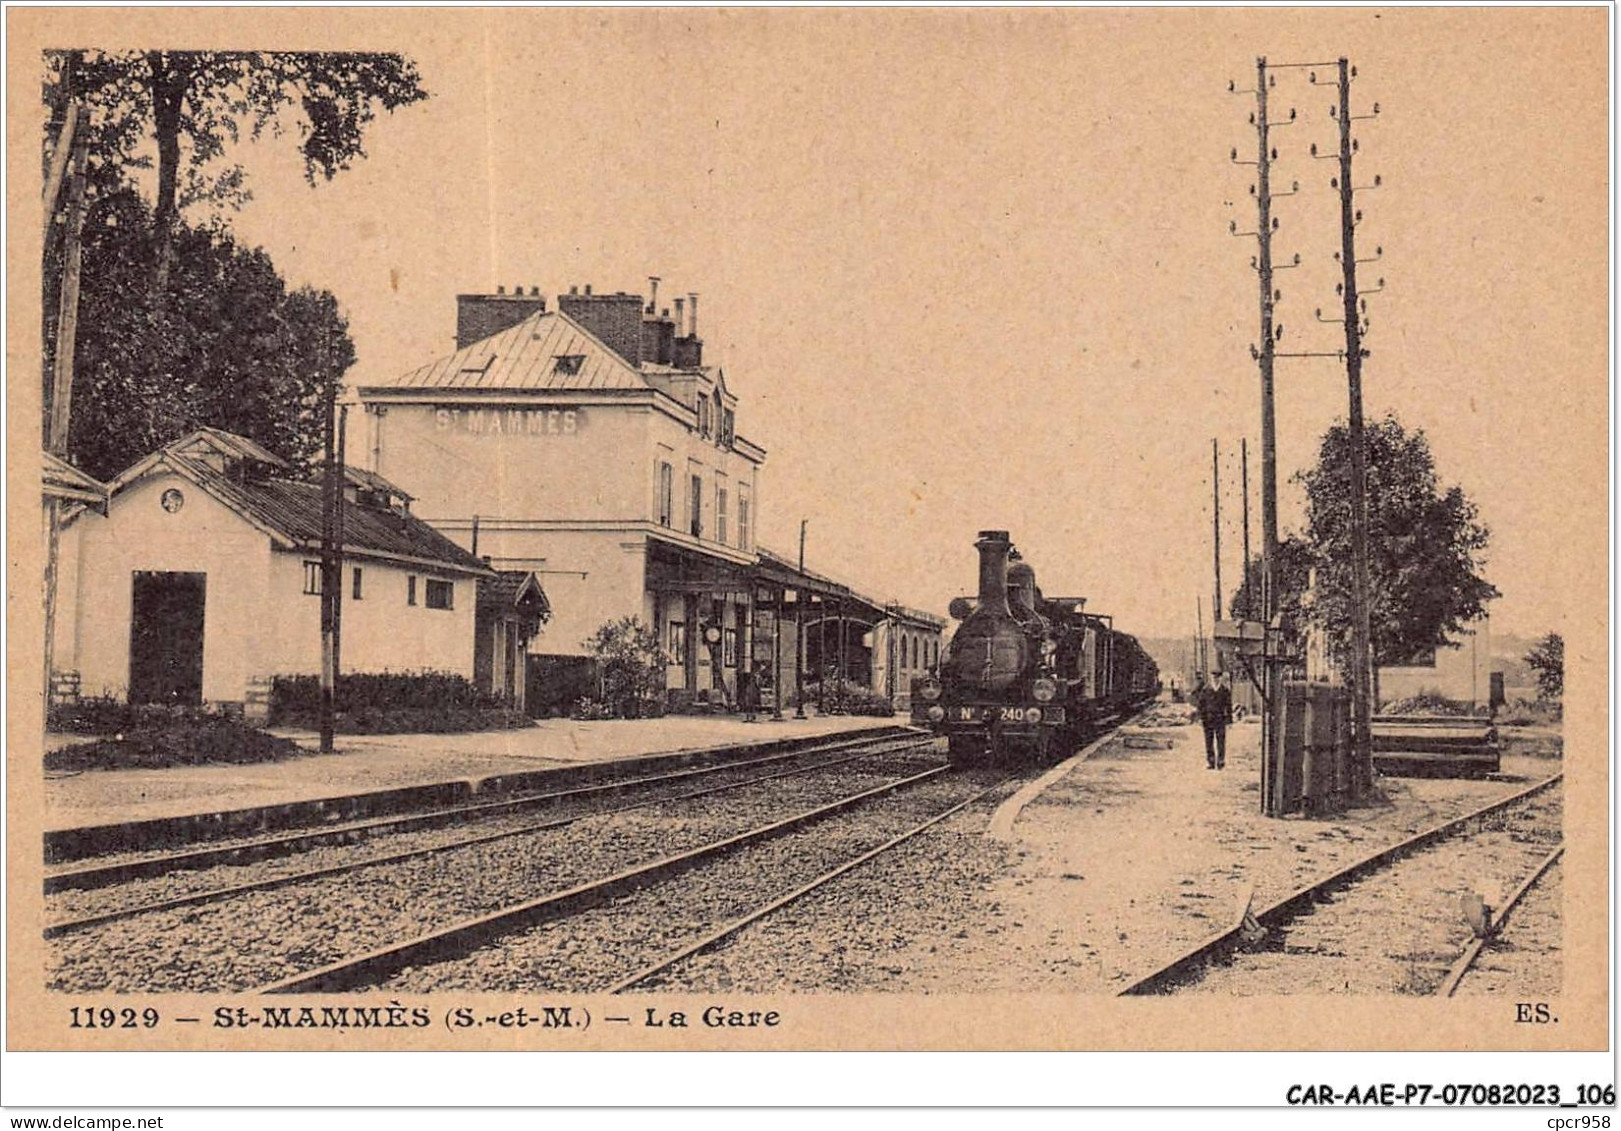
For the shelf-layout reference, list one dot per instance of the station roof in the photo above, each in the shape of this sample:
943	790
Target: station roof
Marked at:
547	350
243	476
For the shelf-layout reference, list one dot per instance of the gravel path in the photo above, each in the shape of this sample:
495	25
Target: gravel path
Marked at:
1138	854
1400	929
591	951
260	937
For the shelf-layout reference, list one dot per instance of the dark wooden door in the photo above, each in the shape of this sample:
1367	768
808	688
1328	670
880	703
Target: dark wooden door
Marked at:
166	638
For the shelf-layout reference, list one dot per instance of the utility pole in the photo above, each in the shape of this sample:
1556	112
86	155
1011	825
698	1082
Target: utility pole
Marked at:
1201	659
1215	522
799	630
1361	649
1244	487
74	136
329	563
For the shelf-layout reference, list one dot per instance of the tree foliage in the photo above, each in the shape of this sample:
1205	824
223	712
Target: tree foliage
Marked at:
1426	545
1547	659
232	347
191	105
630	666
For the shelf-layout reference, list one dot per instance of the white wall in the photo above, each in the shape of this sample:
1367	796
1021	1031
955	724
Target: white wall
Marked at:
1462	673
93	614
257	620
586	470
379	632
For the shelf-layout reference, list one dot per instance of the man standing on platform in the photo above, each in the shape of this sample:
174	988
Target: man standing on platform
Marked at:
1215	712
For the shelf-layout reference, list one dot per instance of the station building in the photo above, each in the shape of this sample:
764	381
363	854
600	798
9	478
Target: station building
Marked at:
199	580
593	445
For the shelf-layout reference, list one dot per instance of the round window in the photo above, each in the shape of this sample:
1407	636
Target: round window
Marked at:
173	500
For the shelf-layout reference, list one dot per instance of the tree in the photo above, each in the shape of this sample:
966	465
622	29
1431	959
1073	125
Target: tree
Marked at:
232	347
630	666
191	104
1547	659
1426	545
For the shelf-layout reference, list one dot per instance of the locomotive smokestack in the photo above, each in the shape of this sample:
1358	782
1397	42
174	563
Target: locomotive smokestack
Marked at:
993	547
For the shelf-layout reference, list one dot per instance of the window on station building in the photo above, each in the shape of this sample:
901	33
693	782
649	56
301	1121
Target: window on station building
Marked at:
355	588
678	642
697	511
411	589
720	514
568	364
312	579
703	415
728	428
742	522
719	419
728	647
441	594
666	514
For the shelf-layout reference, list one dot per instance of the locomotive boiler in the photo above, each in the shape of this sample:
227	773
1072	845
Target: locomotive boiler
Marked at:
1026	677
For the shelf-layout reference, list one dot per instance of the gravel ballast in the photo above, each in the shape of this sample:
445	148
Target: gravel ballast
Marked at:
263	936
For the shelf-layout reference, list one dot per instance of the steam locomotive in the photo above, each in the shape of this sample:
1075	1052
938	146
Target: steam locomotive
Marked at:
1026	676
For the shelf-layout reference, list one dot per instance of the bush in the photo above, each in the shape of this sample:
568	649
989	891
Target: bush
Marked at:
1529	712
630	668
164	736
392	703
841	697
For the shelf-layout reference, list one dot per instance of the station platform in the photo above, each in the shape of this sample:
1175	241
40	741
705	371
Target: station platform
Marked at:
412	764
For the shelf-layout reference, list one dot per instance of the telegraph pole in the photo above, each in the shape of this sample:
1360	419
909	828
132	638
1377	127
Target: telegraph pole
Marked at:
329	563
1215	522
1244	487
1361	649
799	630
74	137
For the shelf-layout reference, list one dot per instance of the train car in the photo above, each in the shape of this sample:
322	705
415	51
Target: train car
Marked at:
1025	676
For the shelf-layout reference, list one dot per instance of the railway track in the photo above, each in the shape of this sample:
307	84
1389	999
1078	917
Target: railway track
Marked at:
127	868
1190	966
443	945
254	938
617	937
845	752
1466	961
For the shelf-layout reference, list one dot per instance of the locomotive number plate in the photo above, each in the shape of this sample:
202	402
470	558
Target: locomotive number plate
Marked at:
976	714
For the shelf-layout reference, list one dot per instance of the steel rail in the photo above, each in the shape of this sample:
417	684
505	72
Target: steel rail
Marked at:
470	934
264	848
1291	906
719	935
214	895
1460	968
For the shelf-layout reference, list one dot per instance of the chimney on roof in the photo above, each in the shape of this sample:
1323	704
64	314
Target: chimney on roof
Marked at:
481	316
693	295
574	290
616	319
680	314
652	294
588	290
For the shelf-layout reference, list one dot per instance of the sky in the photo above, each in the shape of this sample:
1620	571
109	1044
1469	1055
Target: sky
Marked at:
971	269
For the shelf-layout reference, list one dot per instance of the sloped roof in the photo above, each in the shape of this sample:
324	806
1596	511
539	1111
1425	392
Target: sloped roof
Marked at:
510	586
61	480
290	510
525	356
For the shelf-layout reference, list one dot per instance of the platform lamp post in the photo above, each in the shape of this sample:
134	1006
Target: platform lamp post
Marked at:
799	632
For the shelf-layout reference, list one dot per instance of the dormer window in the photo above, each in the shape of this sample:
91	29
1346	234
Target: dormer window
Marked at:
728	428
568	364
703	416
720	419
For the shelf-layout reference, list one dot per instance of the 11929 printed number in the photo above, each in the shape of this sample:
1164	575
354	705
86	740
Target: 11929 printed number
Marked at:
106	1017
